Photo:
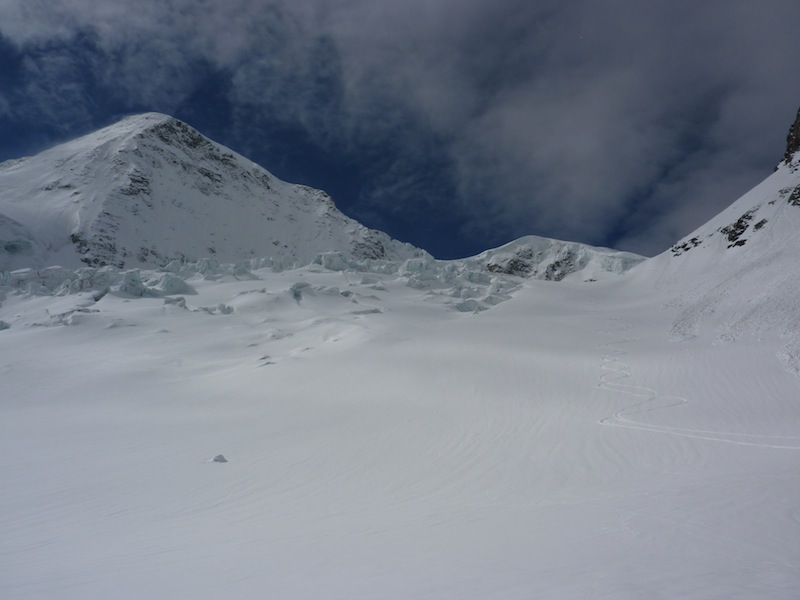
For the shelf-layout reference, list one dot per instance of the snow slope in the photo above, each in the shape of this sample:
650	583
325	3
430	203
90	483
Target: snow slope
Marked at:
736	275
380	446
615	434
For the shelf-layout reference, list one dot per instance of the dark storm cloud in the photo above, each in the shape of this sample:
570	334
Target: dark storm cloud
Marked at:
619	122
612	122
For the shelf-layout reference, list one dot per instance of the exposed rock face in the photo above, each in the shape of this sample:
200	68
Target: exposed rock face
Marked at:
793	139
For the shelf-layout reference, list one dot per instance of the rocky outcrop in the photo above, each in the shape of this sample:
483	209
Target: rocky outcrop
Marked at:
792	140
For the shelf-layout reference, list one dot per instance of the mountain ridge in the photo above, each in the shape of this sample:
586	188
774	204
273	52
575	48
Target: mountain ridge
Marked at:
735	276
150	190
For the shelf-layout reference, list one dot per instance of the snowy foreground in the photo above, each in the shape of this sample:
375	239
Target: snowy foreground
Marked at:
382	445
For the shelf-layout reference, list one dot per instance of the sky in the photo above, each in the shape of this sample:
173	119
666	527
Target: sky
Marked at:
456	125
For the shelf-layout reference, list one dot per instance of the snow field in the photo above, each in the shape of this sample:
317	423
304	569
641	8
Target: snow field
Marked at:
383	445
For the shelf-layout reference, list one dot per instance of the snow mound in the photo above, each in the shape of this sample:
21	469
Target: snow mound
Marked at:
553	260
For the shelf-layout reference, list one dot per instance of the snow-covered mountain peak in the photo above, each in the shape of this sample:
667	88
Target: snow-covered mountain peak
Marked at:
151	189
123	130
553	260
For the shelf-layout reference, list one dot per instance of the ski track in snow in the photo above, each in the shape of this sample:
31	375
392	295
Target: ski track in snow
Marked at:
617	370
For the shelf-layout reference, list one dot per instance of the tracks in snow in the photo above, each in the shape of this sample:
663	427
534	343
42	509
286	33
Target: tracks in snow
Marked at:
617	371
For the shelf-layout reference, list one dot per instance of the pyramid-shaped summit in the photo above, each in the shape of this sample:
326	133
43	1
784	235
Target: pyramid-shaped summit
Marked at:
150	189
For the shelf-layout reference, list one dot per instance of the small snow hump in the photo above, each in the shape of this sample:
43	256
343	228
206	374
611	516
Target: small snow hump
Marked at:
219	458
